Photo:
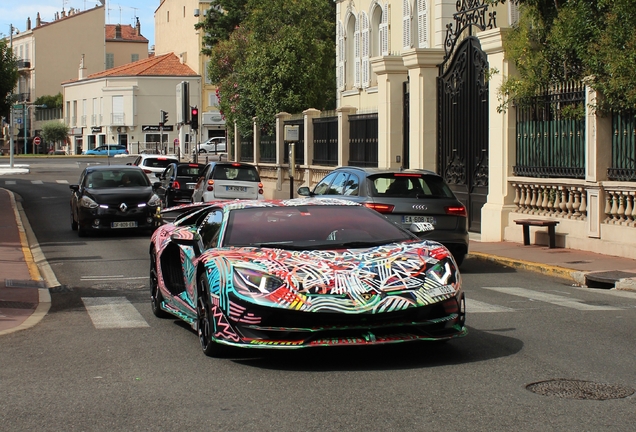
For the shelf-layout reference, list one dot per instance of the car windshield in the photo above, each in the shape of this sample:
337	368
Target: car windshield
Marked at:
189	170
116	178
311	227
235	172
409	186
157	162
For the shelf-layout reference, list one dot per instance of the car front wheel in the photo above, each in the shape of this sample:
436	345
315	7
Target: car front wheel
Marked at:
155	294
204	321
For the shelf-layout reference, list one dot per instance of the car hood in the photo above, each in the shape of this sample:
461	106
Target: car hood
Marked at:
376	279
120	194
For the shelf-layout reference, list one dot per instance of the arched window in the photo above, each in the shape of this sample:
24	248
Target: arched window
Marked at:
406	24
374	39
365	48
340	56
422	24
356	54
349	70
384	31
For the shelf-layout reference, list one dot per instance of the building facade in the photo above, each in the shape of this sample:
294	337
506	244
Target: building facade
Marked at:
175	32
123	106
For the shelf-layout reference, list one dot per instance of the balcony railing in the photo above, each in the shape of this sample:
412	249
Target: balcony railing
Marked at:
24	64
83	120
118	119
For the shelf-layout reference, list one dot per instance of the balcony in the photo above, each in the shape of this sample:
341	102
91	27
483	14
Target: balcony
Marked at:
24	97
23	64
118	119
83	120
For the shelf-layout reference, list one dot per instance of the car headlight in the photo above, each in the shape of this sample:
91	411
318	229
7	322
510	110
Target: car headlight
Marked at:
154	200
88	202
255	282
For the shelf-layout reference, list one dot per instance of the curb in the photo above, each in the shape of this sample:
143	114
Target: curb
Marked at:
560	272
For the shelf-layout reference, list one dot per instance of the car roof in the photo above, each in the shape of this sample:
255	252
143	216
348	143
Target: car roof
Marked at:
296	202
158	156
111	167
368	171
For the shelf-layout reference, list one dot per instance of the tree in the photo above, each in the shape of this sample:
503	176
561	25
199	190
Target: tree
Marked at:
281	58
54	132
8	76
220	21
56	101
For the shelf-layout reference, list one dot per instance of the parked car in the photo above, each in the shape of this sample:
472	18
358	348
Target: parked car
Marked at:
107	150
177	183
303	273
113	197
153	164
403	197
228	181
213	145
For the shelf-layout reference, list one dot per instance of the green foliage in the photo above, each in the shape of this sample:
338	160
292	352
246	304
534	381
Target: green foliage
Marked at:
280	59
8	76
220	21
54	131
56	101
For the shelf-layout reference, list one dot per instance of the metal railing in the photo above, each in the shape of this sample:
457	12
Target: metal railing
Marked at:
623	166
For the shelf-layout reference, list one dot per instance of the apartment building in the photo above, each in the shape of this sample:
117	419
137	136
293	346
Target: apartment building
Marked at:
122	105
175	33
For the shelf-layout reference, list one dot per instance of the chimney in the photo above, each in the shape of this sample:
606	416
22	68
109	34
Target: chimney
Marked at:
63	13
138	27
82	69
118	31
38	21
29	23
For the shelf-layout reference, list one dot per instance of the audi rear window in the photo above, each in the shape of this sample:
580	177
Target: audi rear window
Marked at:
409	186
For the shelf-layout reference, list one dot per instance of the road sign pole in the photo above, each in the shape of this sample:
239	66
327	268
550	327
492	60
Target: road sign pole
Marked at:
24	120
11	144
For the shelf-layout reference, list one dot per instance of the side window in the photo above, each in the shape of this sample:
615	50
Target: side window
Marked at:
209	230
352	185
322	187
338	185
136	162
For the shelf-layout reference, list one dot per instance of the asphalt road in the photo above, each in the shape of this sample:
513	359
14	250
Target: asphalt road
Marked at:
68	373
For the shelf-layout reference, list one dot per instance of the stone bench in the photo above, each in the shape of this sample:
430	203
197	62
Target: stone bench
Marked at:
527	223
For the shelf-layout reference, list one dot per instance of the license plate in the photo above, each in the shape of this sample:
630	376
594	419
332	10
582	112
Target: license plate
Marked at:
411	219
191	185
235	189
132	224
441	291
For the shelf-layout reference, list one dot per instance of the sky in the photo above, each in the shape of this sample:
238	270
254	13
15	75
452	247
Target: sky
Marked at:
123	12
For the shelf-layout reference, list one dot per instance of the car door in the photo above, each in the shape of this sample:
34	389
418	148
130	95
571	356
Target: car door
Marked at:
209	231
76	193
164	179
197	195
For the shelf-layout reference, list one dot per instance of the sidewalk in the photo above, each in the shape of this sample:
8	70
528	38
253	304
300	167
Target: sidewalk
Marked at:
25	298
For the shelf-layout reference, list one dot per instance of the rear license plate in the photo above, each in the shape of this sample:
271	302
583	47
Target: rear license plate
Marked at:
132	224
191	185
412	219
235	189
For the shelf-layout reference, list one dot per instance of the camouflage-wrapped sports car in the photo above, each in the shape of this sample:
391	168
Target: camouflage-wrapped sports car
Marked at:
302	273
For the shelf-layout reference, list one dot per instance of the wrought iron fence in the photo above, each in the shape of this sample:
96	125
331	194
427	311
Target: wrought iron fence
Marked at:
551	133
325	141
299	146
623	166
363	140
247	149
268	148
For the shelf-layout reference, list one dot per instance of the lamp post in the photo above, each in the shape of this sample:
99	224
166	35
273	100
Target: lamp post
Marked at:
11	144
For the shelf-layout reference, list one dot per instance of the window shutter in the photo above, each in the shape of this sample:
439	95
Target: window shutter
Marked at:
384	30
513	13
365	50
356	54
406	24
340	57
422	24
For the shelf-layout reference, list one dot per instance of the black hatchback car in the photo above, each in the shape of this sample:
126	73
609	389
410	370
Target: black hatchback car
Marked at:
177	183
403	197
113	198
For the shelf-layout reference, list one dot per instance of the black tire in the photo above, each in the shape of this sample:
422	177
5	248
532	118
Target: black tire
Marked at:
459	258
81	232
155	295
73	223
204	321
202	151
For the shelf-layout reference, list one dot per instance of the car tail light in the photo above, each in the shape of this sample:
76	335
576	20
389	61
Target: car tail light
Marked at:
236	164
210	185
176	185
162	158
193	165
456	211
147	171
260	188
380	208
406	175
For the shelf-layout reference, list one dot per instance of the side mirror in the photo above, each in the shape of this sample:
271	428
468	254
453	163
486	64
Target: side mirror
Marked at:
74	187
194	241
421	227
156	185
129	163
304	191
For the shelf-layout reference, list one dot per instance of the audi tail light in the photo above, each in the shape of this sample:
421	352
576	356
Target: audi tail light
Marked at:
176	185
380	208
456	211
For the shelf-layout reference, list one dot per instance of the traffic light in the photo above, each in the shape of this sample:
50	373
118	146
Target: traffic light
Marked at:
164	118
194	118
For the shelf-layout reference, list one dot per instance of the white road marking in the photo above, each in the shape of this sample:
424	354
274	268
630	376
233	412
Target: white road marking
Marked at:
475	306
62	181
37	182
113	312
116	277
551	298
9	182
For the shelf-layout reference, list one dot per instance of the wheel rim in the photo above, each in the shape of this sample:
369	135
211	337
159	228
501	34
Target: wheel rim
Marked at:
203	323
154	291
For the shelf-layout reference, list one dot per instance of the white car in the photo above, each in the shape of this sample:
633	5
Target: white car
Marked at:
228	181
213	145
154	164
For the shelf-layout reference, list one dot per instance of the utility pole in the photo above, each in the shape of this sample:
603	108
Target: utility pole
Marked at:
11	144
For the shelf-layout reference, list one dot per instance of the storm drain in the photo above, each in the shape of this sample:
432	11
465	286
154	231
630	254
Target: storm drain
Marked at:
606	279
17	283
581	390
16	305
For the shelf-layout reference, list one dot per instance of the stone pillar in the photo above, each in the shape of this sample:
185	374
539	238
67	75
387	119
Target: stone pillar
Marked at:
501	141
309	115
256	139
280	147
423	72
343	133
391	74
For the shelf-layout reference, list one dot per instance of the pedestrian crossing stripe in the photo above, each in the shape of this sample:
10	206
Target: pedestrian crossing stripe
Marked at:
9	182
113	312
475	306
62	181
37	182
551	298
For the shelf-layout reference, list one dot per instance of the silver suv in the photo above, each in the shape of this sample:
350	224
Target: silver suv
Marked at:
213	145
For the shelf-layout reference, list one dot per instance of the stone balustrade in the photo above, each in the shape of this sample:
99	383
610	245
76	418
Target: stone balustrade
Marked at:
620	204
547	197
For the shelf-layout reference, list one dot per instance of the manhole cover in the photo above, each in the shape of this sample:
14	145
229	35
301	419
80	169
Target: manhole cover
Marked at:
582	390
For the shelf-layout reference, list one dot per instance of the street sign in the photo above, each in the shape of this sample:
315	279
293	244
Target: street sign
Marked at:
37	140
